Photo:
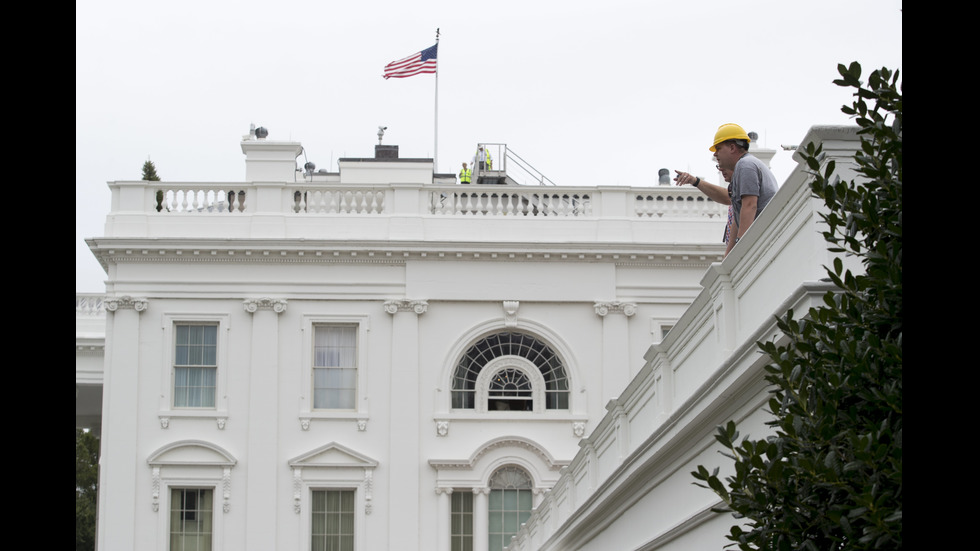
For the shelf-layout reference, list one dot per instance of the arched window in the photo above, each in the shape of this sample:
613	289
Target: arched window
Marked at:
510	371
510	389
510	504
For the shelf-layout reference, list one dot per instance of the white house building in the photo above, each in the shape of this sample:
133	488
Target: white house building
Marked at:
380	358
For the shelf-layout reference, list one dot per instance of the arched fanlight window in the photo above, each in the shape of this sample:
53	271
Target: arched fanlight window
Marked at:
510	389
524	372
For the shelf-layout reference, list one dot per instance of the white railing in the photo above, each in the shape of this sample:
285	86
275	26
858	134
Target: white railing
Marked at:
89	305
339	201
660	204
222	199
198	198
491	202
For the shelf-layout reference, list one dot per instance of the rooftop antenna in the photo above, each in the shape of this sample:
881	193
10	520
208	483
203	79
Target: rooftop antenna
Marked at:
381	133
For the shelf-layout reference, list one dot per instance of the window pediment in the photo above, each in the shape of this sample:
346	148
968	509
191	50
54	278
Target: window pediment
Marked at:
333	455
191	452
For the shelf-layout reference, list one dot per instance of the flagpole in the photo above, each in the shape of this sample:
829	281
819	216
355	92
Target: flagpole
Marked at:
435	154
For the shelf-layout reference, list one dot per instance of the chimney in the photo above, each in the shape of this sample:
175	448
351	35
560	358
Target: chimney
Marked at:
385	151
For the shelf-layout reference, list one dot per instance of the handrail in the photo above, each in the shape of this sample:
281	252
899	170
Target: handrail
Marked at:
541	178
518	161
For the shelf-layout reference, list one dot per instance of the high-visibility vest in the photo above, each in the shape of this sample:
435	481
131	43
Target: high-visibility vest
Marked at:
465	175
483	155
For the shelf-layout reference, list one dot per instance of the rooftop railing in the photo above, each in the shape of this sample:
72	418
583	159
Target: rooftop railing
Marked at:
213	199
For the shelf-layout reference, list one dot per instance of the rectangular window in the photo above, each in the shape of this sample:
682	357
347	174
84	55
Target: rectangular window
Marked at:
190	519
195	365
508	510
333	520
462	521
334	366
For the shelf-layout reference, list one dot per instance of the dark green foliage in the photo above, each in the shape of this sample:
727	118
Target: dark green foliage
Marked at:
831	476
86	488
150	175
150	172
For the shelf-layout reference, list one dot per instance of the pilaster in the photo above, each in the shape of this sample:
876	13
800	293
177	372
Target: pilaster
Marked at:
615	346
481	519
405	433
120	415
263	426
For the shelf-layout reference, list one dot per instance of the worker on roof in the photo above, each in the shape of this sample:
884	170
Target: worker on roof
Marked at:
483	157
752	183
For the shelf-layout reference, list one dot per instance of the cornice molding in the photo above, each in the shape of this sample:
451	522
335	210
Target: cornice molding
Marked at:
306	252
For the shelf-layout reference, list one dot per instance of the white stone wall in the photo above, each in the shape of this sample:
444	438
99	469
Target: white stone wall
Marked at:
423	286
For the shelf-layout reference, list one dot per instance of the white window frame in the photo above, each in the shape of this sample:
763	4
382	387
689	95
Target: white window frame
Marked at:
169	324
482	400
530	493
190	464
206	399
170	504
315	368
360	410
332	467
187	483
309	512
659	327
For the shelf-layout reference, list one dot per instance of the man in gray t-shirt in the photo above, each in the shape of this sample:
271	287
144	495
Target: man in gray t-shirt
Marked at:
753	184
751	178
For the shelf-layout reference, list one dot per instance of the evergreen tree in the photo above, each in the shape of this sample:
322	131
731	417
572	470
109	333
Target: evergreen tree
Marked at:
150	175
150	172
830	478
86	488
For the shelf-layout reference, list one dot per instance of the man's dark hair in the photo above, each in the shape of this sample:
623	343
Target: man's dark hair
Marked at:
741	144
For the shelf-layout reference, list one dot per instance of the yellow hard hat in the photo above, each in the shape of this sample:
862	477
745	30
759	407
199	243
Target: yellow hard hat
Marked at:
729	131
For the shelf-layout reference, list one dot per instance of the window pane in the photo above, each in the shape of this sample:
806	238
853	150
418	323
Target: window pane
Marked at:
335	346
195	365
461	534
496	522
510	522
194	387
196	345
191	514
335	367
510	504
510	500
332	524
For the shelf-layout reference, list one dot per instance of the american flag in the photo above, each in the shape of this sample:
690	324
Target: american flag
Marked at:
417	63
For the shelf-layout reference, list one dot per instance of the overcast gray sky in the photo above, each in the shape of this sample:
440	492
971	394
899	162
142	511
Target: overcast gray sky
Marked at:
588	92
